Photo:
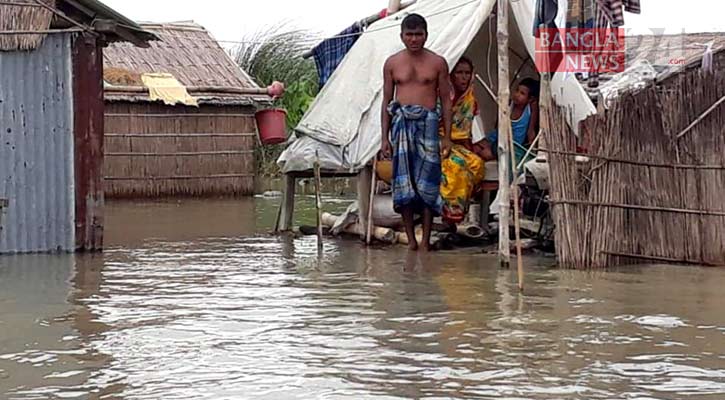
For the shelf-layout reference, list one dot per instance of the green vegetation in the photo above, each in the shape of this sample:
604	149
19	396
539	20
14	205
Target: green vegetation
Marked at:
275	54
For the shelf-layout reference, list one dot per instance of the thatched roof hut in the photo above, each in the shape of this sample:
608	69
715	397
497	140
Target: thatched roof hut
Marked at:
189	53
652	189
156	149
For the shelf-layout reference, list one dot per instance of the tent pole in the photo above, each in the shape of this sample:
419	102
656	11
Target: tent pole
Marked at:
504	132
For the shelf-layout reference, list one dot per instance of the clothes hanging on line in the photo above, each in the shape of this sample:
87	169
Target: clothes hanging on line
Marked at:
581	14
330	53
613	10
545	13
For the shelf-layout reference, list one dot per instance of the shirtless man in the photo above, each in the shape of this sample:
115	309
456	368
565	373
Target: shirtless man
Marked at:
415	79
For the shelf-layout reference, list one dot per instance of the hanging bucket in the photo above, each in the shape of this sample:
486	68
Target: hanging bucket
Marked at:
272	126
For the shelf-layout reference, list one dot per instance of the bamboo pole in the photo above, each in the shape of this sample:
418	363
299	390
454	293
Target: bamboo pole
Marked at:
62	15
529	151
641	208
371	203
634	162
318	200
517	223
192	89
504	132
383	235
701	117
40	32
662	259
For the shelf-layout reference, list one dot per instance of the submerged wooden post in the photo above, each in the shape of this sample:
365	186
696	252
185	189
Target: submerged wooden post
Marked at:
371	204
364	187
504	132
318	200
287	207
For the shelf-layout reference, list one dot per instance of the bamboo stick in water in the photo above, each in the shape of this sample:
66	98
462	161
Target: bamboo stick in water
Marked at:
517	223
318	200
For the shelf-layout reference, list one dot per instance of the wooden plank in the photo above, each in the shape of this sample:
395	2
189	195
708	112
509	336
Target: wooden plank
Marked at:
288	204
88	142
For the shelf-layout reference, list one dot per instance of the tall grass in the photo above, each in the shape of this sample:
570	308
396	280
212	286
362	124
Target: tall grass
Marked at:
275	54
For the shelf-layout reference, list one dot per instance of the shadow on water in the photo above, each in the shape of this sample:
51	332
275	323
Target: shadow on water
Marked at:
194	299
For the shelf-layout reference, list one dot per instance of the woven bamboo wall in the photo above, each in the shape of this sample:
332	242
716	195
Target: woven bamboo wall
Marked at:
153	150
646	195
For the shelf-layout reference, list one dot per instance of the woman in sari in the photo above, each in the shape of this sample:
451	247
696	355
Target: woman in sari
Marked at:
464	168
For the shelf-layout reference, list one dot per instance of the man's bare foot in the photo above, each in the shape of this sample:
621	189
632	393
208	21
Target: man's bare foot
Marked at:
413	246
425	247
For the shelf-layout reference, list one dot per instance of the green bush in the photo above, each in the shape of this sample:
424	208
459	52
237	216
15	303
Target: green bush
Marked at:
275	54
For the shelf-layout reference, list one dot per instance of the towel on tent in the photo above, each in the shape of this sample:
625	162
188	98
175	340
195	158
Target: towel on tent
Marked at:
416	158
329	54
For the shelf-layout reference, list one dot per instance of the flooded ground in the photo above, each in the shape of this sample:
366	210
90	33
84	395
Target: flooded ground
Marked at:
192	300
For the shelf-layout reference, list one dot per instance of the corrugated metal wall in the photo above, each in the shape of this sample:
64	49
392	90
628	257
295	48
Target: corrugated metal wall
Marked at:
36	148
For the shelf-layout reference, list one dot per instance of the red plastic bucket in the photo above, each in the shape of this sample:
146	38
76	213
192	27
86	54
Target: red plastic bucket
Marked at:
272	126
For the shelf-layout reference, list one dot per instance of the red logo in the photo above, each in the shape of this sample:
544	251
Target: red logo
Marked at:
580	50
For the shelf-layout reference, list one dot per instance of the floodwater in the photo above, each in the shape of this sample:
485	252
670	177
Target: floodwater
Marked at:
193	300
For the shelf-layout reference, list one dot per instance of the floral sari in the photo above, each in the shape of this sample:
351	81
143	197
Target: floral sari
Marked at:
463	169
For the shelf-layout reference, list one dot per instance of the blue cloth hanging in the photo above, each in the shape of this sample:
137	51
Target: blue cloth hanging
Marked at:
330	53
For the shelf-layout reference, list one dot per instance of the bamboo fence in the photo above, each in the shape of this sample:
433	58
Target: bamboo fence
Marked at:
653	189
152	150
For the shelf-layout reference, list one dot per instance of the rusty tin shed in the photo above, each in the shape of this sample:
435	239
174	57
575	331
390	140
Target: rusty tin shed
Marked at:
51	121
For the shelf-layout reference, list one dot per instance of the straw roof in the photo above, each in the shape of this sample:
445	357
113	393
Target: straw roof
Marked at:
24	15
669	51
27	16
190	54
668	55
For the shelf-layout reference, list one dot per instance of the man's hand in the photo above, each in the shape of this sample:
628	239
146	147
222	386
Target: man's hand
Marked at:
386	150
446	146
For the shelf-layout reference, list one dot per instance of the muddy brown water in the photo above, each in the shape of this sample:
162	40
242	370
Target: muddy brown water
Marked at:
193	300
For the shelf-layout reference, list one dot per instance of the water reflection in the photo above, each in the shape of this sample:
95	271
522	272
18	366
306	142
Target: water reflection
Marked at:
185	304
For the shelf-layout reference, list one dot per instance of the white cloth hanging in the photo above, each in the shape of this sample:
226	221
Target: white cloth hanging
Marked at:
707	58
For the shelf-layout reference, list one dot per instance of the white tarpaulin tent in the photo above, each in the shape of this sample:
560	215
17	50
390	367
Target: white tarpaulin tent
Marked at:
343	123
